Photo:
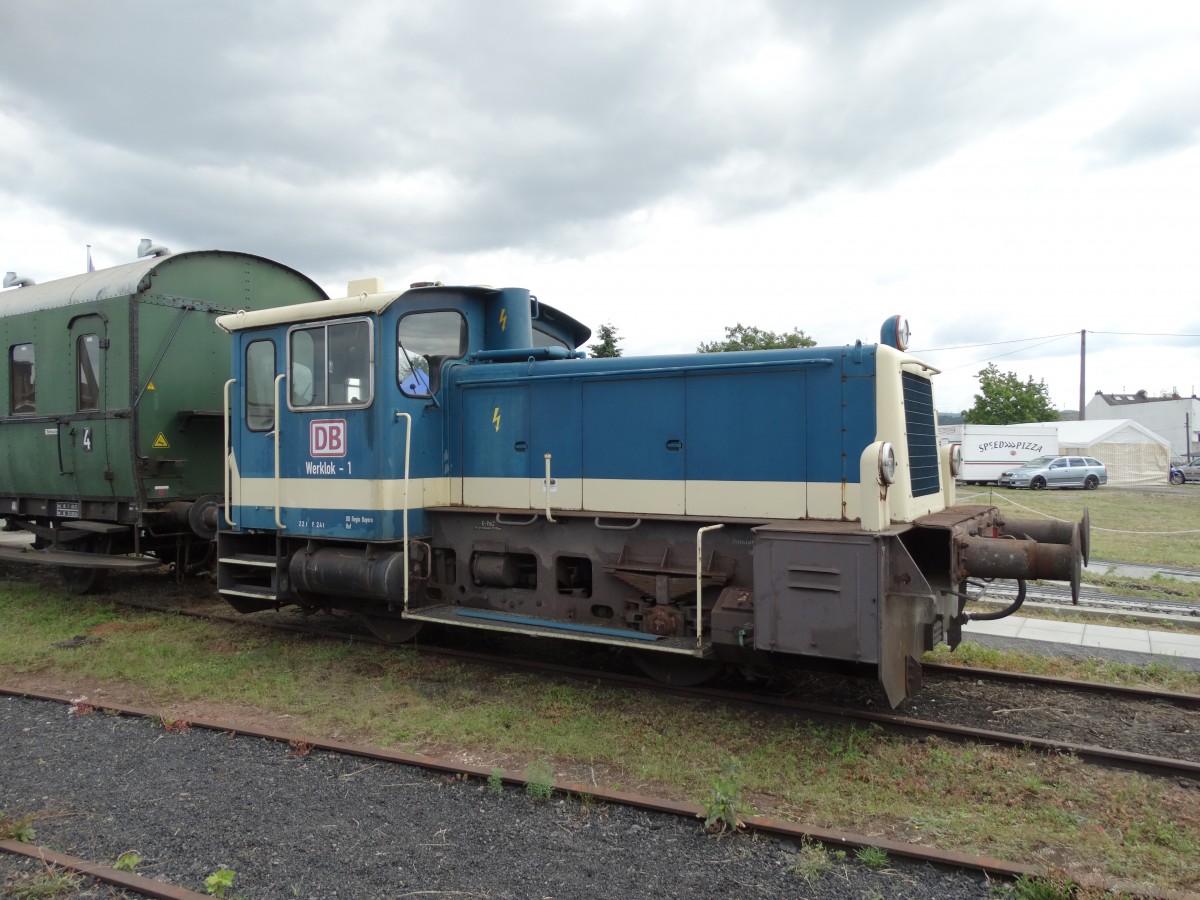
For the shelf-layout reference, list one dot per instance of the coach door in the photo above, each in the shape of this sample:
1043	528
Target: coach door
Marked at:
83	438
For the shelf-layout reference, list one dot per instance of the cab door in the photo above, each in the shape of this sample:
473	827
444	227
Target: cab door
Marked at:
257	385
331	455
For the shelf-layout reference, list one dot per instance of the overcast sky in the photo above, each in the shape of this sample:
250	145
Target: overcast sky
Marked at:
992	171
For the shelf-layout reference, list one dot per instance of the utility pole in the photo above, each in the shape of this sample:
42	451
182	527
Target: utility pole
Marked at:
1082	370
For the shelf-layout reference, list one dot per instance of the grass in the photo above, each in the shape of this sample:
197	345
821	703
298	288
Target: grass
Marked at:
1001	802
1147	527
50	882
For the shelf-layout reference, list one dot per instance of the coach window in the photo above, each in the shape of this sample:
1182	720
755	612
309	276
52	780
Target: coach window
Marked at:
260	386
424	341
330	365
87	366
21	379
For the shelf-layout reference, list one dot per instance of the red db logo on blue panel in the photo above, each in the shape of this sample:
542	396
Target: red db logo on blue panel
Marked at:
327	437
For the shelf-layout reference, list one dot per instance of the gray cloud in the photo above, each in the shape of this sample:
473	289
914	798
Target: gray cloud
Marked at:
348	133
1159	123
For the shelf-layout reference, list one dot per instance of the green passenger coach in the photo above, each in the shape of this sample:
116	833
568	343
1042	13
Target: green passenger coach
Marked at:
111	421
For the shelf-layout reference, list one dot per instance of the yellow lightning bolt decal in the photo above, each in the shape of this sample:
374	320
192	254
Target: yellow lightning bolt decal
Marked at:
503	318
496	418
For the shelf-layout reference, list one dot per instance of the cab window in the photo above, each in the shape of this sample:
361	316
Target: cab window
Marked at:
21	379
87	368
330	365
545	339
260	385
424	340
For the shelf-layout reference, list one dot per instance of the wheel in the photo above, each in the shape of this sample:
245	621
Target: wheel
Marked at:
1176	478
1037	484
80	580
1091	483
247	605
677	670
392	630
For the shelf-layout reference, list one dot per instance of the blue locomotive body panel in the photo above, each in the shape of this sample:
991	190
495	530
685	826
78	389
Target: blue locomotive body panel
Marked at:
780	416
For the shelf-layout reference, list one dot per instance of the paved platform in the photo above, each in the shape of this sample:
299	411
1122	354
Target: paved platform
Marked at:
1107	637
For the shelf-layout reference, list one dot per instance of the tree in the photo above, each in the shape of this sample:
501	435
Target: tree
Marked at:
1005	399
606	347
747	337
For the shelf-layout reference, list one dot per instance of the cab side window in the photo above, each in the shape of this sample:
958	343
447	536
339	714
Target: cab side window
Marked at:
87	369
331	365
22	396
425	340
260	386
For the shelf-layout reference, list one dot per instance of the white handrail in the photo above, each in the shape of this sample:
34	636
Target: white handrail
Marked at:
549	518
404	514
699	591
278	521
228	454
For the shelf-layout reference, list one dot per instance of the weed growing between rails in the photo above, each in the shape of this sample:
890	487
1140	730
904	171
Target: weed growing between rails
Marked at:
128	861
17	828
539	780
724	806
220	881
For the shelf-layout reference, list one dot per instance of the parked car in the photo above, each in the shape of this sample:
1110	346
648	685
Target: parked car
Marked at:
1057	472
1185	471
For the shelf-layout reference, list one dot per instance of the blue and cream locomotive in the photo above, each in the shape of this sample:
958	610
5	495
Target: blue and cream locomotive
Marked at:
446	454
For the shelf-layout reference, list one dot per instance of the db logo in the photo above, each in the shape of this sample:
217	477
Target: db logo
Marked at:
327	437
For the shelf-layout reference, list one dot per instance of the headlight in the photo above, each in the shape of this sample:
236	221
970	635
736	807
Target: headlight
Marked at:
887	463
956	460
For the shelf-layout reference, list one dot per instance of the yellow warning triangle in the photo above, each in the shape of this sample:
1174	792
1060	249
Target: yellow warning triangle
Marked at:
151	387
160	442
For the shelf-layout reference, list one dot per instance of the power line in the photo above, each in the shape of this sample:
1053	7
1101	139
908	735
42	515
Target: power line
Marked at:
997	343
1048	337
1144	334
1010	353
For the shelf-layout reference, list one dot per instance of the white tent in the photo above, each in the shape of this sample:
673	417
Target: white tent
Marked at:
1132	452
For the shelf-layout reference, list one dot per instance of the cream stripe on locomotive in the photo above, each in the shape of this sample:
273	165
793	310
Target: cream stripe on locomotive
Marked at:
732	499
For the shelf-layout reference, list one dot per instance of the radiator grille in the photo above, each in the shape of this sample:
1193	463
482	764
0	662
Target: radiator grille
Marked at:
919	422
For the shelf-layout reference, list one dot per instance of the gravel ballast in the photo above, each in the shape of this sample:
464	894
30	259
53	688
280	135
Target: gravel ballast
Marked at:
327	825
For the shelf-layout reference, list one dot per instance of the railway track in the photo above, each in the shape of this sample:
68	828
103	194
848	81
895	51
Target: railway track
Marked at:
898	722
1093	599
761	824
